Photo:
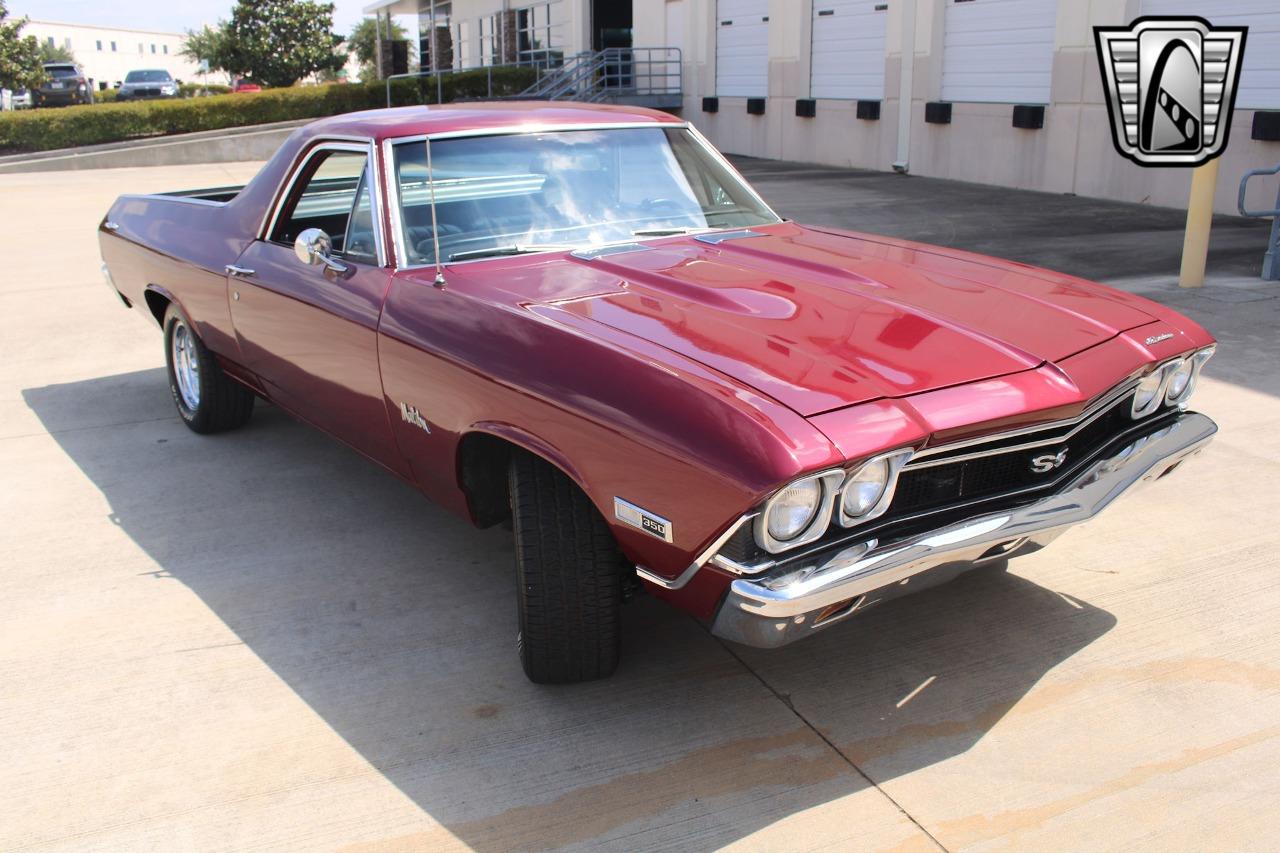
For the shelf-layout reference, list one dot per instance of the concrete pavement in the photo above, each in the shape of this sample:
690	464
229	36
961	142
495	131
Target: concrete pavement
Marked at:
258	640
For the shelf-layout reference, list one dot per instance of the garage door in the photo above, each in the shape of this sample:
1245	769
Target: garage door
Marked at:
998	51
742	48
1260	73
847	59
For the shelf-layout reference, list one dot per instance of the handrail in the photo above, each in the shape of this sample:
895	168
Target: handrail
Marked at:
1244	184
440	74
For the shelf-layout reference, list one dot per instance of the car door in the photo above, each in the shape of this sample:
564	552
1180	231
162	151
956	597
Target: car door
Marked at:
309	330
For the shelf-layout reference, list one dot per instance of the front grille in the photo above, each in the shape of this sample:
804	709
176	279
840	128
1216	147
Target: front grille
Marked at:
923	489
988	477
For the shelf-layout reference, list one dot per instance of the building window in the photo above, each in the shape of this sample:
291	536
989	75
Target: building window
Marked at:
141	49
99	44
166	49
113	47
153	48
52	42
66	43
533	33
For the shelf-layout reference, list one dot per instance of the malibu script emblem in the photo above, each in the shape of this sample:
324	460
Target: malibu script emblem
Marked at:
1045	464
409	414
1171	86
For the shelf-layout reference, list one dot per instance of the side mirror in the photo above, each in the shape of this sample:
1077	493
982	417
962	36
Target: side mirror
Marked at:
314	248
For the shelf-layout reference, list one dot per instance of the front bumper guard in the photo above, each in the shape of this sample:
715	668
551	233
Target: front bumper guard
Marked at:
794	601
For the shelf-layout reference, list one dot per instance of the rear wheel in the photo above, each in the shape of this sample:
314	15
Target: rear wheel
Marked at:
207	399
568	577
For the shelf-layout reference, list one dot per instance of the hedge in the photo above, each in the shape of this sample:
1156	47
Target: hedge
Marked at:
66	127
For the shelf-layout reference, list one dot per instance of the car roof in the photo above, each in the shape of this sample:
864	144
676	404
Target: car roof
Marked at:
496	116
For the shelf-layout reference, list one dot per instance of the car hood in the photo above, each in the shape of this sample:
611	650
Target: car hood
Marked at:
819	320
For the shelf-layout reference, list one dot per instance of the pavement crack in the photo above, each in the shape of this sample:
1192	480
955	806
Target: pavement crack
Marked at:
785	699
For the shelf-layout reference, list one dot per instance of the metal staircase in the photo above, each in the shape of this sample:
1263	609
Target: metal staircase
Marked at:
638	76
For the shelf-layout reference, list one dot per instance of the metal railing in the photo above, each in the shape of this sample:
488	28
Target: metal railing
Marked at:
612	74
603	76
1271	260
534	61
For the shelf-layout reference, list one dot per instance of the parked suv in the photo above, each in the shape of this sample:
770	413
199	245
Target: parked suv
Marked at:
148	83
66	83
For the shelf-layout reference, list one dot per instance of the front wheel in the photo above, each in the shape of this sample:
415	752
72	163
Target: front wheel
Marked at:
568	577
207	399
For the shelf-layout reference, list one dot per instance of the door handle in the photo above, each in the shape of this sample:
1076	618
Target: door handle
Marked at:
111	226
237	272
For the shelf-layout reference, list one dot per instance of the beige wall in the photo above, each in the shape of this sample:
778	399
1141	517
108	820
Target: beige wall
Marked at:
112	66
1072	153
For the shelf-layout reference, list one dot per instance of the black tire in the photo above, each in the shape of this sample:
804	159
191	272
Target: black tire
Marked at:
223	403
568	577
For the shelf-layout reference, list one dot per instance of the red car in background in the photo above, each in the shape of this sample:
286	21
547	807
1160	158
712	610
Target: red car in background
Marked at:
243	84
581	321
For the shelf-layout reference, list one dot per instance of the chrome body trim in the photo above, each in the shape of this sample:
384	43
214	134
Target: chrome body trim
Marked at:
782	606
1095	410
703	558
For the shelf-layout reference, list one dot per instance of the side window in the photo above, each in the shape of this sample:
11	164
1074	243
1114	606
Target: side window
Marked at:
324	197
359	244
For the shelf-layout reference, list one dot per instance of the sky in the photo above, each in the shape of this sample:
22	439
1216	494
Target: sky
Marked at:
150	15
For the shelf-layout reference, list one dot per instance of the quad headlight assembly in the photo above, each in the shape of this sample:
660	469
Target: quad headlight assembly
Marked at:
1169	384
801	511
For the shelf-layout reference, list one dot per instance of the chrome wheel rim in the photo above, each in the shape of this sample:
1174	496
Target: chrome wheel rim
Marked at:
186	367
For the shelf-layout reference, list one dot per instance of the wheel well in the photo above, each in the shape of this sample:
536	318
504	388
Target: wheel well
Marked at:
483	462
158	303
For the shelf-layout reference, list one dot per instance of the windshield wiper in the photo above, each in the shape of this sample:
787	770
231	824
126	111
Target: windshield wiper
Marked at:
666	232
513	249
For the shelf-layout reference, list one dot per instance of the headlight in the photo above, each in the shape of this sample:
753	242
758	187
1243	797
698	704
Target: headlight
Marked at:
799	513
1147	398
867	492
865	487
793	509
1179	380
1182	384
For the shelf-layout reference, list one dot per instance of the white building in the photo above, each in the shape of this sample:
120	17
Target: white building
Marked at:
754	69
107	54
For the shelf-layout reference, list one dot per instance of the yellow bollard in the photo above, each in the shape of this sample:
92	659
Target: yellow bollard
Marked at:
1195	245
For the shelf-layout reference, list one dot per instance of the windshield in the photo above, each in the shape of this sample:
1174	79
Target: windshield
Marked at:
148	77
505	194
61	70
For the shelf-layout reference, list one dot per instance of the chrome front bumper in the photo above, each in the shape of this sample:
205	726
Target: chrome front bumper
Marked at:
794	601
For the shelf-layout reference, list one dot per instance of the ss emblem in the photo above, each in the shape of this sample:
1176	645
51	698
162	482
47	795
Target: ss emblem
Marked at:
1045	464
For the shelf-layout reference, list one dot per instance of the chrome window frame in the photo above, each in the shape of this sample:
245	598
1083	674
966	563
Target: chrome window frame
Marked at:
358	145
393	186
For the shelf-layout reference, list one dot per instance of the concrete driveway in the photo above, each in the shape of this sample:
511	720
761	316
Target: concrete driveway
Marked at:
260	641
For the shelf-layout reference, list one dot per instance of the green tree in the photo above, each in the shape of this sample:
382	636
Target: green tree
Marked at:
54	53
206	43
278	42
19	55
363	41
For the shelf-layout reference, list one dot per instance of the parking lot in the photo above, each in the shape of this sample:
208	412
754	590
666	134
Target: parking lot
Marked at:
258	640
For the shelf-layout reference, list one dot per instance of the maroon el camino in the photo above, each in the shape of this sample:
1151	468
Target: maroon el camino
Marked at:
581	321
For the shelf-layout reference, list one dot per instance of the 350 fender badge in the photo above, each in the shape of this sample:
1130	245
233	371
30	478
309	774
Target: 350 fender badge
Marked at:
1155	339
642	519
409	414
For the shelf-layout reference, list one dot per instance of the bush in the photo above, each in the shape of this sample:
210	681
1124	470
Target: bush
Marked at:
195	90
47	129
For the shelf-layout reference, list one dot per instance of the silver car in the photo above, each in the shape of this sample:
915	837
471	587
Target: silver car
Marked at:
147	84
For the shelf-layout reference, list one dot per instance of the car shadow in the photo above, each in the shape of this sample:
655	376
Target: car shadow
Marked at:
395	623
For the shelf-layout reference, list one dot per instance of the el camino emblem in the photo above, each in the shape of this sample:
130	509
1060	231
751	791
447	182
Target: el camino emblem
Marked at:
409	414
1155	339
642	519
1045	464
